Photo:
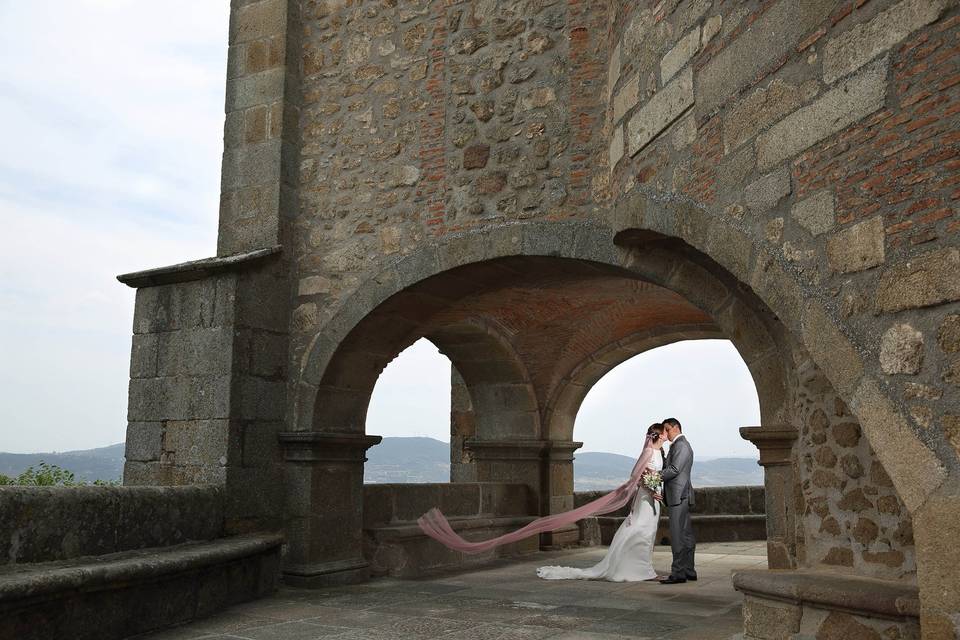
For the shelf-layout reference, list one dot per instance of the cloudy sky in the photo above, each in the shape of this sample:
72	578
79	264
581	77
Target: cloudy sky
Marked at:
110	163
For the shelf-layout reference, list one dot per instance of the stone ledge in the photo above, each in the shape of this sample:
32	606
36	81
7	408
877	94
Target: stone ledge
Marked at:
196	269
97	572
850	594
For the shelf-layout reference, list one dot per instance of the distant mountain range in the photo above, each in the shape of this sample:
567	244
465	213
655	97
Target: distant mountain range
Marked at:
411	460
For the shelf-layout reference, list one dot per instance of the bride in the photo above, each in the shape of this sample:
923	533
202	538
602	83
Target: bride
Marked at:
630	556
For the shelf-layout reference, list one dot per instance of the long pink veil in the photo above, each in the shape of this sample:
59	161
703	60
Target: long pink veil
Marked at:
434	524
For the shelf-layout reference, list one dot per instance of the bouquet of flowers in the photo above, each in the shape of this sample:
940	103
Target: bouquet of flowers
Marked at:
651	480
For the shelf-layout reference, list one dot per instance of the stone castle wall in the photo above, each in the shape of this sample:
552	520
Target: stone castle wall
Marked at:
780	173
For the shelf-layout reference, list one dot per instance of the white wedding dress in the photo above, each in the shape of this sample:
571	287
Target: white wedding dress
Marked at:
630	556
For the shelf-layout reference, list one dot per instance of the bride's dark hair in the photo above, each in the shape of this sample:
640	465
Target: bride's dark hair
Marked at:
656	430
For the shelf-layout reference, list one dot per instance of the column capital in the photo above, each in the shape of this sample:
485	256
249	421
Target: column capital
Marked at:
555	450
321	446
775	443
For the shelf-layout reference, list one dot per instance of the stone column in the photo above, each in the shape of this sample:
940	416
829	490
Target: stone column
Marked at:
779	478
543	465
557	495
324	507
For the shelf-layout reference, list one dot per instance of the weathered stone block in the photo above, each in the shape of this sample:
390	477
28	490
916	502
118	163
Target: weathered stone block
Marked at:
768	39
815	213
762	108
143	441
765	192
901	350
852	49
855	98
858	247
679	55
926	280
948	336
197	442
913	467
258	20
613	71
766	619
143	356
626	98
660	111
616	146
265	87
831	349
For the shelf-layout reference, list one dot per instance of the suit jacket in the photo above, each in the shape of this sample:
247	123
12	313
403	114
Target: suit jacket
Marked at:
676	473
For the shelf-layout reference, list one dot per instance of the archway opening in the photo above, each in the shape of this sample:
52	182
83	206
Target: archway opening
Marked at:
703	383
410	409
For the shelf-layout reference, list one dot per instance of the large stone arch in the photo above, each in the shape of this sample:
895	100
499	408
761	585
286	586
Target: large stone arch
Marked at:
643	239
710	262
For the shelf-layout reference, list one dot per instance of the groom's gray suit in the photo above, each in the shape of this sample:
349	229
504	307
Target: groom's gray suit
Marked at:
678	494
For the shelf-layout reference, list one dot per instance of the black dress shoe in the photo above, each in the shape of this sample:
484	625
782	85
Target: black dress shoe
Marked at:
673	580
692	578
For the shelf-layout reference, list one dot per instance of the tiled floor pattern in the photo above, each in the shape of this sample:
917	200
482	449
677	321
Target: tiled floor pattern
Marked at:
505	601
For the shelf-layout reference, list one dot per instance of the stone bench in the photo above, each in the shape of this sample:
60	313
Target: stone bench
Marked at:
121	594
779	604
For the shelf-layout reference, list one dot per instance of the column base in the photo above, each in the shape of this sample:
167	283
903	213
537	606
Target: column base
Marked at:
326	574
564	538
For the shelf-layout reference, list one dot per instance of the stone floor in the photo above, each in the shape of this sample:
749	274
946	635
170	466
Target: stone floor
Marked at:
505	601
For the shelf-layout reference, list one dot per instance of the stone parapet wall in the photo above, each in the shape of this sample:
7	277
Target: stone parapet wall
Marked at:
392	504
743	500
42	524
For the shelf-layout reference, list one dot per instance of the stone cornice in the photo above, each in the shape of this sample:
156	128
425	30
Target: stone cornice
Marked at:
196	269
316	446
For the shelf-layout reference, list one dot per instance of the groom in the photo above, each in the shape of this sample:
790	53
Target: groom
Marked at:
678	495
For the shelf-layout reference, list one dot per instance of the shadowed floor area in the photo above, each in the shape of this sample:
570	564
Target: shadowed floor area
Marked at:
505	601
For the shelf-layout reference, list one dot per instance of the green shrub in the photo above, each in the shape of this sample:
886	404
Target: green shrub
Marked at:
50	475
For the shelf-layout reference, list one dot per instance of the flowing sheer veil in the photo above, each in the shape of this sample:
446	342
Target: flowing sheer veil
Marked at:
434	524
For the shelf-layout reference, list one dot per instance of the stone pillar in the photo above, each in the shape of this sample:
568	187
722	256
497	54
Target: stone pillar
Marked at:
260	137
543	465
779	478
936	526
324	507
557	495
463	426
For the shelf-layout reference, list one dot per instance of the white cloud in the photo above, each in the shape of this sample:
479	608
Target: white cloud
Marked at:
111	164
